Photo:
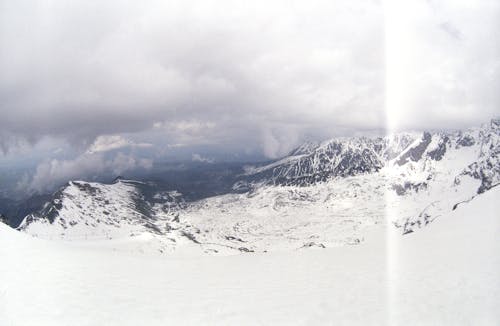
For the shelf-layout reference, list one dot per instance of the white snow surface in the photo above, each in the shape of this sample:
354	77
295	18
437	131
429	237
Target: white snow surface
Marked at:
446	274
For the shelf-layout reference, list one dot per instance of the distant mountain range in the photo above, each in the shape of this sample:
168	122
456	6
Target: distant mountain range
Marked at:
320	195
342	157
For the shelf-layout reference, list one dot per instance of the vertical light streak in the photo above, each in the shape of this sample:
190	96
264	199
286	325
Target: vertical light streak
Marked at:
400	40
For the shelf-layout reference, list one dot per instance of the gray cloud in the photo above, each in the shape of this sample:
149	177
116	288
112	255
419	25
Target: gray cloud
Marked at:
106	143
51	173
89	69
264	74
198	158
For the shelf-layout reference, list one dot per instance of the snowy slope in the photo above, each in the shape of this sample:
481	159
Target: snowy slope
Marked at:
447	274
108	215
90	210
452	168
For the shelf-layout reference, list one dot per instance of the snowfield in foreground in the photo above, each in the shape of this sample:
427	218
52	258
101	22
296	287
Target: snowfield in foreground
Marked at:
447	274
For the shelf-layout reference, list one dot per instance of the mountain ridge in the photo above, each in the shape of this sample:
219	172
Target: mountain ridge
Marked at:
321	195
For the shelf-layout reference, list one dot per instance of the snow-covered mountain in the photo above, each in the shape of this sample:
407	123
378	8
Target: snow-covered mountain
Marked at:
95	211
311	163
321	195
342	157
429	172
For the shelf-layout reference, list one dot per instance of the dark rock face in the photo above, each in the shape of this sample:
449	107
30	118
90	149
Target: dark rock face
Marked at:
4	219
190	236
408	186
438	153
487	167
465	141
495	123
244	249
354	163
313	244
423	220
488	171
414	154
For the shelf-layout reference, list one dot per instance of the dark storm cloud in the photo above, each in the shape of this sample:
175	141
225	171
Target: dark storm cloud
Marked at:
269	73
52	173
91	68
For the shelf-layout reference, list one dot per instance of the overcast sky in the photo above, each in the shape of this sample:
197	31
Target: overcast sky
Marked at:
82	78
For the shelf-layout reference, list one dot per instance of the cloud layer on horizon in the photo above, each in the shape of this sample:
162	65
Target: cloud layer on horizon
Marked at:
265	74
